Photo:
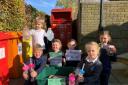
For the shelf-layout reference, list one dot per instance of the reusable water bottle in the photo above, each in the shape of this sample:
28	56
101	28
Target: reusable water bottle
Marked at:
31	66
82	72
110	50
25	69
71	79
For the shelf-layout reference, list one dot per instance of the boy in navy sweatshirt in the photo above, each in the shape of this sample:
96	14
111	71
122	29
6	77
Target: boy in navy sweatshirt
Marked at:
35	66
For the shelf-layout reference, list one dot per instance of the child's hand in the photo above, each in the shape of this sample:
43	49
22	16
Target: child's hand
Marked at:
80	78
112	48
64	60
33	74
25	76
48	59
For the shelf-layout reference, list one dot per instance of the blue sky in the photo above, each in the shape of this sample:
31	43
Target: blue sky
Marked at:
43	5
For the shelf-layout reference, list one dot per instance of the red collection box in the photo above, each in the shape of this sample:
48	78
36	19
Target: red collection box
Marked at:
61	23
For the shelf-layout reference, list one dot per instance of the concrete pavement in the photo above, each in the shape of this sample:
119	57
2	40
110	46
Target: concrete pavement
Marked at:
119	75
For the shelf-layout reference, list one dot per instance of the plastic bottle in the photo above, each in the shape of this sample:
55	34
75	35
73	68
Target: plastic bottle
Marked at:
25	68
26	33
50	34
81	72
72	79
31	66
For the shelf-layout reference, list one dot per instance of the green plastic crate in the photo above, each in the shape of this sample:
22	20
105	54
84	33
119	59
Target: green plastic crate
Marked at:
56	81
42	78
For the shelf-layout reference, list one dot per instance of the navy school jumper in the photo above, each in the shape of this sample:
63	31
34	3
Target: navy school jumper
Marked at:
92	72
39	65
106	62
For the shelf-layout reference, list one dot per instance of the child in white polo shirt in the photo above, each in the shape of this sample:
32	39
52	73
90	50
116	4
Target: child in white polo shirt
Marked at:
38	33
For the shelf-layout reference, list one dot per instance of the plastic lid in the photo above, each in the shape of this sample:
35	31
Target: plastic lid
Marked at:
82	71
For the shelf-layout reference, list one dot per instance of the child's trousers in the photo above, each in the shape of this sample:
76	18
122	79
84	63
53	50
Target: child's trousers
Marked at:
104	78
28	82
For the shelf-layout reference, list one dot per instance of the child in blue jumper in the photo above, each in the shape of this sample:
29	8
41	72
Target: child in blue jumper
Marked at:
108	54
34	66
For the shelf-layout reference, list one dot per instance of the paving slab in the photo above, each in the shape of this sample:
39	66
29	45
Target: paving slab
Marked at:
119	75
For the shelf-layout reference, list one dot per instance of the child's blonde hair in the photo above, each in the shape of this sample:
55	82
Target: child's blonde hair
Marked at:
58	41
92	43
39	20
38	47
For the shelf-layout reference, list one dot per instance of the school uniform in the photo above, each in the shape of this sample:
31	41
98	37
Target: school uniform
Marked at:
39	64
106	59
92	71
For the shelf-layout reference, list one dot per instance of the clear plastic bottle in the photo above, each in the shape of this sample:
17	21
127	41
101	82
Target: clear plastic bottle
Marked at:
110	50
26	33
50	34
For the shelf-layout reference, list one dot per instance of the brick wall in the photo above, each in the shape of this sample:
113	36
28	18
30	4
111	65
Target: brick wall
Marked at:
115	19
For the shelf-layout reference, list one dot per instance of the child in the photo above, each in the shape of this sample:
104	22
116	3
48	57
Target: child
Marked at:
34	66
72	47
108	54
38	33
90	66
72	44
56	57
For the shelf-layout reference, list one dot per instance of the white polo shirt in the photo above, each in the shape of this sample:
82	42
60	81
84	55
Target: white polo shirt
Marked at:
38	36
